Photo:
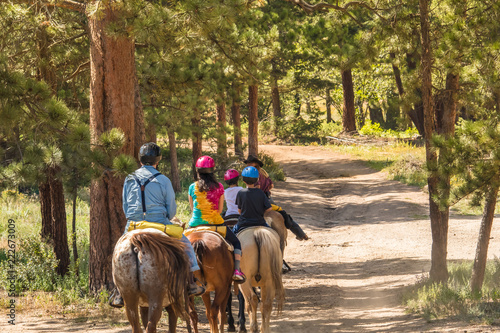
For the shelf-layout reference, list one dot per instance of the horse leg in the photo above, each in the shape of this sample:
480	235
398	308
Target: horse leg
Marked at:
131	308
266	308
155	309
192	314
241	313
208	306
252	303
222	312
172	320
144	316
230	318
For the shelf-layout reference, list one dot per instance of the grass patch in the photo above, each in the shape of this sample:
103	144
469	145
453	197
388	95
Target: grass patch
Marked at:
455	298
403	161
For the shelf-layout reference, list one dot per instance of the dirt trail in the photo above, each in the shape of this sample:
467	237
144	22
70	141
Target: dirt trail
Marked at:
370	237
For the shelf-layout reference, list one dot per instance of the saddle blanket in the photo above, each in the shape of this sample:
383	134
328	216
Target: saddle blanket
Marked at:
172	230
216	230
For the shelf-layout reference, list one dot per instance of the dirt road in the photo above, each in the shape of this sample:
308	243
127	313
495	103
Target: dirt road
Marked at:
370	237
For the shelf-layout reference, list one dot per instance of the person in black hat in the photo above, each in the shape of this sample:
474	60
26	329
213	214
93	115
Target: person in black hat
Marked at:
266	184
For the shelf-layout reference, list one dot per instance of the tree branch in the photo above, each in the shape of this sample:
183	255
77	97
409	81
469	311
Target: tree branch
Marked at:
78	70
68	4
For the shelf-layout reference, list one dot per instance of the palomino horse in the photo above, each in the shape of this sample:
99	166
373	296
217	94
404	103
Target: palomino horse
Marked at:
151	270
261	261
217	265
276	221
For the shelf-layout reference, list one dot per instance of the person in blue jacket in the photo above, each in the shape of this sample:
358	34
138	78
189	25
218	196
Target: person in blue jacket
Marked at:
149	196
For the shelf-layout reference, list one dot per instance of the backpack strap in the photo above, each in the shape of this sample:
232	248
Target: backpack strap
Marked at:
143	186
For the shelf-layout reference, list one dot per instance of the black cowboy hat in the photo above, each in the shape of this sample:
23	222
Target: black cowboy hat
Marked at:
251	159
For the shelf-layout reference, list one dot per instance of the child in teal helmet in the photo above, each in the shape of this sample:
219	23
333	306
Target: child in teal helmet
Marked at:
252	202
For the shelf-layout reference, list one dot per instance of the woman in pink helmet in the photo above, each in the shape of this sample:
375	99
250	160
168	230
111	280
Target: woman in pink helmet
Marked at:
206	199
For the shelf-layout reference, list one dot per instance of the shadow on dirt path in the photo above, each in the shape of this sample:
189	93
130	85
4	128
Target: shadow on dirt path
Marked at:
370	239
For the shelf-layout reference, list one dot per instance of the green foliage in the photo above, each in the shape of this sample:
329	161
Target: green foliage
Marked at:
371	128
455	299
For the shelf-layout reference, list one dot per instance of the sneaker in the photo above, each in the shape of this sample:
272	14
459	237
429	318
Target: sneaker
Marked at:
285	268
239	276
116	300
196	290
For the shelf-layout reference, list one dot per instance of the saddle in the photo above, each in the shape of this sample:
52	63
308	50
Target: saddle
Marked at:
219	230
172	230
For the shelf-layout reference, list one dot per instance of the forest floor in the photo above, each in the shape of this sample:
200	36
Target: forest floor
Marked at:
370	239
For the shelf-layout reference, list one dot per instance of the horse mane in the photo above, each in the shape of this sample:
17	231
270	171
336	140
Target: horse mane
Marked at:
170	256
268	244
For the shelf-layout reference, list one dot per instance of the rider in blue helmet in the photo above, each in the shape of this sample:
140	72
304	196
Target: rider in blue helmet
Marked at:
252	202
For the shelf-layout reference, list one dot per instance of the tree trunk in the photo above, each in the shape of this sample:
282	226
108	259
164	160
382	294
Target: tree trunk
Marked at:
275	93
221	128
196	141
328	106
298	104
439	220
235	113
44	190
253	120
59	228
73	233
174	168
416	113
349	111
113	104
476	282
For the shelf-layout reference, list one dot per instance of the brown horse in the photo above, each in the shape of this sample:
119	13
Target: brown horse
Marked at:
261	261
217	265
151	270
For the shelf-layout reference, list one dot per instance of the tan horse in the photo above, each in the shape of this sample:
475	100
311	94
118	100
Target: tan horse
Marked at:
151	270
217	266
261	261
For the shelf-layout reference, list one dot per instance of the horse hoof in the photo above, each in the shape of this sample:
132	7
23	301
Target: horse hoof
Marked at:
231	328
242	330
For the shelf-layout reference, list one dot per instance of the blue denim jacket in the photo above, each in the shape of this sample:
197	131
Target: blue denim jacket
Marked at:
160	197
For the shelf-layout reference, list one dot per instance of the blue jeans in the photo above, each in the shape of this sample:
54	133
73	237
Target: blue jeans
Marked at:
189	250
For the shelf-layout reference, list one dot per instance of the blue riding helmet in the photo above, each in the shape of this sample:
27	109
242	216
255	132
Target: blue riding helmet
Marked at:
250	172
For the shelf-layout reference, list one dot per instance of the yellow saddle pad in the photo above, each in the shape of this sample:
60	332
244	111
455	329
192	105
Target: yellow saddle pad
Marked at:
220	229
172	230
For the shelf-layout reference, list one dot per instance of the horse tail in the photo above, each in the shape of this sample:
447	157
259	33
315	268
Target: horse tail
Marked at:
170	256
268	245
199	247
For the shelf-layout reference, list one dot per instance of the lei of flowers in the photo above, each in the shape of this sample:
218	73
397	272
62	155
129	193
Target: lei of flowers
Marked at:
208	213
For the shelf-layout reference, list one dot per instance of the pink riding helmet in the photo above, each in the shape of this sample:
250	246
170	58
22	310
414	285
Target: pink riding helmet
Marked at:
205	162
230	174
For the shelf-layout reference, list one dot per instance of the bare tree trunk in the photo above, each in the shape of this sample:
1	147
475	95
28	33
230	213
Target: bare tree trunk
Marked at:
59	228
113	104
197	140
174	168
439	221
476	282
44	190
328	106
298	104
235	113
73	233
275	96
221	128
349	111
253	120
